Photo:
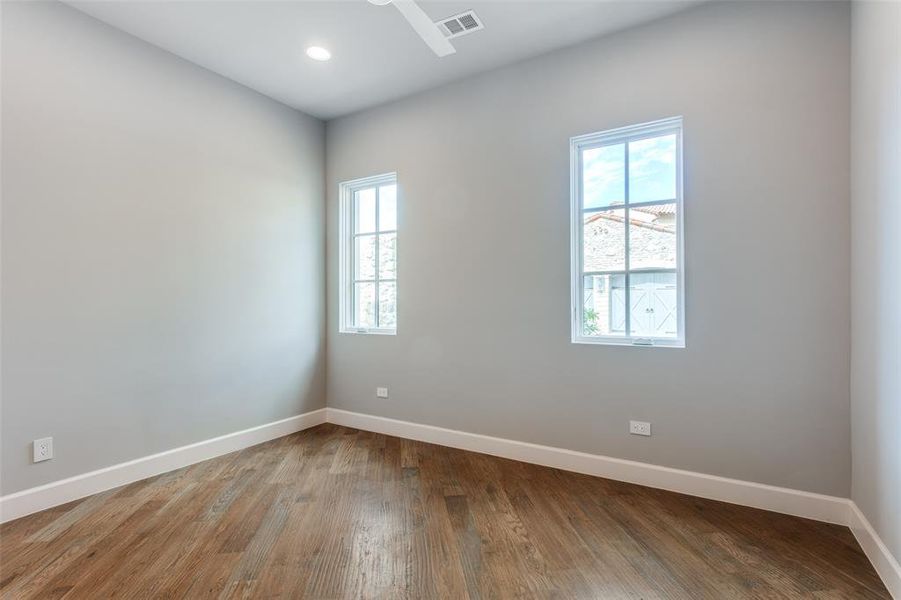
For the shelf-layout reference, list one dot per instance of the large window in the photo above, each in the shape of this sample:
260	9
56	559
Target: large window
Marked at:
627	275
368	215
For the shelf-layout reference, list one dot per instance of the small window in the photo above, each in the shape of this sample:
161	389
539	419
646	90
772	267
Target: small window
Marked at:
627	272
368	220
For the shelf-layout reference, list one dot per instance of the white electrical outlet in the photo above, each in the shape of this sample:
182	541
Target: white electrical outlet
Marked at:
43	449
381	392
639	428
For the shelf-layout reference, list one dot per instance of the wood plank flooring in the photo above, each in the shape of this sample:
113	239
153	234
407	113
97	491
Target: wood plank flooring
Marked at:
333	512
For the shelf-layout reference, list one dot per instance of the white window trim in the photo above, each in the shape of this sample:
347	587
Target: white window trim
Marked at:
576	145
345	252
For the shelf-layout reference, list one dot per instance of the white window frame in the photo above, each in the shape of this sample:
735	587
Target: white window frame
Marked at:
604	138
346	251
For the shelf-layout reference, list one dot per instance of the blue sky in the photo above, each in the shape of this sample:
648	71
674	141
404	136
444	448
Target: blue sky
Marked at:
652	172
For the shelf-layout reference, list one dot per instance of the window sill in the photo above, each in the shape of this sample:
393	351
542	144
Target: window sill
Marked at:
364	331
630	342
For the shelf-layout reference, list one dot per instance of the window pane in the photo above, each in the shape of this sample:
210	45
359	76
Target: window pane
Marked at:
652	237
364	305
364	257
388	256
364	210
388	208
652	169
654	301
388	305
603	176
604	241
604	305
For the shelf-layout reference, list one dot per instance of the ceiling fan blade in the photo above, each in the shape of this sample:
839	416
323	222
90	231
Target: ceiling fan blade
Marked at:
424	26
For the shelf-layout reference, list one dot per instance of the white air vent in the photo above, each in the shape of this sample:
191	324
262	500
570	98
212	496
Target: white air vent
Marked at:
461	24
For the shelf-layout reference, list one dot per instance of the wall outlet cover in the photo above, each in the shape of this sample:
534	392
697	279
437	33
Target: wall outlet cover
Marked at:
381	392
639	428
43	449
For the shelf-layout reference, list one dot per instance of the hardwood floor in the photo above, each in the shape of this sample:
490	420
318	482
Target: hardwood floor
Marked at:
333	512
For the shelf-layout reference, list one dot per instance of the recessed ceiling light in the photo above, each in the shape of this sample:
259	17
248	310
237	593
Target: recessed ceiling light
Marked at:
318	53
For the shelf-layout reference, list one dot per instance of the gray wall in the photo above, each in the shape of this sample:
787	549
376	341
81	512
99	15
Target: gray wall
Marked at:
876	267
761	392
162	250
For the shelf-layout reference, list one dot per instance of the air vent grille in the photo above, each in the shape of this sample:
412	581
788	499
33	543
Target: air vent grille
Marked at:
468	22
461	24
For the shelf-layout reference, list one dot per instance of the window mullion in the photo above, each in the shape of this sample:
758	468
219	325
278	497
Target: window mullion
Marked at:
365	233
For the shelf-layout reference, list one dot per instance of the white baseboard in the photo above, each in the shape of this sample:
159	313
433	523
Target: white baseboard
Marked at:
885	564
19	504
830	509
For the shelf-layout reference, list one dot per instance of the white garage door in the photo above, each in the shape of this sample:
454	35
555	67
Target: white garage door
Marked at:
654	304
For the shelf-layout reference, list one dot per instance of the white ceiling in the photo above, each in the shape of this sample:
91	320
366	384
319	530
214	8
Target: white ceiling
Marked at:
376	56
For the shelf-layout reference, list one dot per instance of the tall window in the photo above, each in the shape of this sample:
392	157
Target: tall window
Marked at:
627	274
368	215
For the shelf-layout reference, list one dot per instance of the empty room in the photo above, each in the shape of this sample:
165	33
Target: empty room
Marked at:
387	299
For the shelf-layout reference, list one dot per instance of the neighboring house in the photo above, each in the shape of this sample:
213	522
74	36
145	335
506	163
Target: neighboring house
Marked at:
653	240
